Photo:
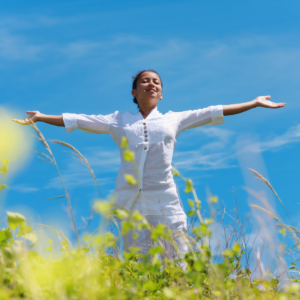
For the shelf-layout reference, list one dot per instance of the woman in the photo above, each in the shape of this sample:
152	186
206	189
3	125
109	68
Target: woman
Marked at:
152	137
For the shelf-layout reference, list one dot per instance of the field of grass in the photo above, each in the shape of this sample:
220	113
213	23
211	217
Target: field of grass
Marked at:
97	268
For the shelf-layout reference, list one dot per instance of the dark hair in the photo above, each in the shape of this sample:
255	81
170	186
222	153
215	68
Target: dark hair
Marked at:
136	78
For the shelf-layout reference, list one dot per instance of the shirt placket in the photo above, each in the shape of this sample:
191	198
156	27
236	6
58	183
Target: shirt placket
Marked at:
145	146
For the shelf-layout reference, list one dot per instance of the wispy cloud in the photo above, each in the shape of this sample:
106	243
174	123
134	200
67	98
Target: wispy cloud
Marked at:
104	163
220	153
76	180
24	188
98	157
292	135
15	47
196	59
20	22
217	153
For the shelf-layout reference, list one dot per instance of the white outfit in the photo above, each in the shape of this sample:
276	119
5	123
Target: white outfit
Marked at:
144	242
152	140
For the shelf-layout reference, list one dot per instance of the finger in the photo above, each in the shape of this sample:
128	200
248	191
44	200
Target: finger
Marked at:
268	97
25	121
19	121
278	105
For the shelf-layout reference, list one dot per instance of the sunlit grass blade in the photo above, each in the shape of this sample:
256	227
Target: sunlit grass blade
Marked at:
82	159
261	178
58	197
266	211
44	142
292	230
48	159
292	247
60	234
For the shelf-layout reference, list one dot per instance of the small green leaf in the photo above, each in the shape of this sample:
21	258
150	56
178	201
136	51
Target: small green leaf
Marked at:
64	245
191	202
130	179
236	248
121	213
208	221
2	235
128	155
227	253
30	236
135	235
156	250
4	169
198	204
24	229
49	248
15	219
3	186
27	232
124	143
103	207
175	172
137	216
214	199
191	213
244	272
189	186
5	234
283	232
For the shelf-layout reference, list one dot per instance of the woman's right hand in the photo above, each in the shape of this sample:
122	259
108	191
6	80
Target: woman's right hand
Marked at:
33	117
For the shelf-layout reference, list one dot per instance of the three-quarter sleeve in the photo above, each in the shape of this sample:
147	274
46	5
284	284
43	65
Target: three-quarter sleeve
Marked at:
88	123
212	115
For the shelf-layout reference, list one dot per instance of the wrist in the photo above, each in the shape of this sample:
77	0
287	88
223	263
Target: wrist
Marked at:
254	103
39	117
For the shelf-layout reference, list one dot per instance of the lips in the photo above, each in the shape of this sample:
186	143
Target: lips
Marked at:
151	90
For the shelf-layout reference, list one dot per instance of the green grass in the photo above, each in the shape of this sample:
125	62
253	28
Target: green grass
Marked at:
96	268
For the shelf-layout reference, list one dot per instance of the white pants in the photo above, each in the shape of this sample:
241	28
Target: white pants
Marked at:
178	228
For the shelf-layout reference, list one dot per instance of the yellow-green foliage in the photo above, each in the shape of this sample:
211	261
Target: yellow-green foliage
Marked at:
90	272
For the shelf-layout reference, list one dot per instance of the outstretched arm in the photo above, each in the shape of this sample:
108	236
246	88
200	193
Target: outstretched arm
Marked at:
36	116
262	101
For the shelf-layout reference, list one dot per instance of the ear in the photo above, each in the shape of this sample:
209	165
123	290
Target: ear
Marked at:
133	93
161	96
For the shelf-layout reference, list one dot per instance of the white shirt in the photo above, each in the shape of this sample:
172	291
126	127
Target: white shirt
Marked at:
153	141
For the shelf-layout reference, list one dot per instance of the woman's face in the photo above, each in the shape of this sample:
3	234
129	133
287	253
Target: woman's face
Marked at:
148	89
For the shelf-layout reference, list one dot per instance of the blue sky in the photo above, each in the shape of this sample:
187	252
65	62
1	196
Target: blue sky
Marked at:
79	57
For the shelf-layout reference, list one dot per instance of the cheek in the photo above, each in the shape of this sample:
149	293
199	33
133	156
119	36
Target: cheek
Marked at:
141	88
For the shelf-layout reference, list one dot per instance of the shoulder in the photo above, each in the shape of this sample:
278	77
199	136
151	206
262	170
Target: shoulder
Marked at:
172	117
127	113
173	114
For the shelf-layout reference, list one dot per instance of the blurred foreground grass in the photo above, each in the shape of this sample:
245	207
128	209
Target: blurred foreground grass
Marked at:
98	269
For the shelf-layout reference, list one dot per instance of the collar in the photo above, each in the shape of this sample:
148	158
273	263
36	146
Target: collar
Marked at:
153	112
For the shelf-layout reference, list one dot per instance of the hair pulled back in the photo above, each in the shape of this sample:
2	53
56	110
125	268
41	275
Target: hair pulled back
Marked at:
136	78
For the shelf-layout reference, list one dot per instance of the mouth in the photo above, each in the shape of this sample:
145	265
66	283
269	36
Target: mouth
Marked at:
151	90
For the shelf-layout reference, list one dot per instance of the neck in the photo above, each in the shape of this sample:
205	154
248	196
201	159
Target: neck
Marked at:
145	111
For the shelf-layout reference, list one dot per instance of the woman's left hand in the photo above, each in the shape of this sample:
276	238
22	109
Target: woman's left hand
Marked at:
263	102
